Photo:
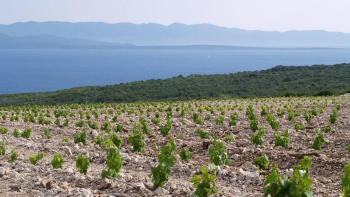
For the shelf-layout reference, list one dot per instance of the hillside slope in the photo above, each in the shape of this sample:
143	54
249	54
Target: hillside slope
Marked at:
278	81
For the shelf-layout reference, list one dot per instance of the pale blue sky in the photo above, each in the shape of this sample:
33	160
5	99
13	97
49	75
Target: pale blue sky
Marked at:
281	15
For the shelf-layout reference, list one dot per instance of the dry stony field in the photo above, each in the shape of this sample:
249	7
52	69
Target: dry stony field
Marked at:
235	147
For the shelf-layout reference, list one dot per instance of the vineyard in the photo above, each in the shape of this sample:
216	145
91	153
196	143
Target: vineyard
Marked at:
229	147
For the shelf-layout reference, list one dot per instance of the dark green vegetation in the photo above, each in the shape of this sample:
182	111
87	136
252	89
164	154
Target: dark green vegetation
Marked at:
279	81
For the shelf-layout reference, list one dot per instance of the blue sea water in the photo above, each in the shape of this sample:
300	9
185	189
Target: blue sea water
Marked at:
46	70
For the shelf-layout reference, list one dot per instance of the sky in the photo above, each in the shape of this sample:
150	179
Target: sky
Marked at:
278	15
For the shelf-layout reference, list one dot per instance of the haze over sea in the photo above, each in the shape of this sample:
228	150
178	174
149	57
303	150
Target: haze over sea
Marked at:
53	69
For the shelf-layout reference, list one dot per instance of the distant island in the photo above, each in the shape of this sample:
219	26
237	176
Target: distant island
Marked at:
103	35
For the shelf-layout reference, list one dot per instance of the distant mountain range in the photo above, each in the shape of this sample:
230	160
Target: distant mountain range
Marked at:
95	34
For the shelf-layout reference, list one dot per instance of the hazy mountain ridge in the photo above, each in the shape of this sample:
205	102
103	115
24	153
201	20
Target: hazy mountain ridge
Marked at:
177	34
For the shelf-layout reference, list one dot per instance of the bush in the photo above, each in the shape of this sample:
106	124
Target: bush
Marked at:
16	133
35	158
299	185
264	111
80	123
254	124
299	126
47	133
327	128
106	126
185	154
164	130
13	156
275	125
57	161
3	130
346	181
262	162
26	133
234	119
229	138
93	124
218	154
258	137
146	130
119	128
333	116
137	141
220	120
2	148
80	137
167	160
202	133
319	141
82	163
250	112
114	163
282	140
116	140
197	118
205	182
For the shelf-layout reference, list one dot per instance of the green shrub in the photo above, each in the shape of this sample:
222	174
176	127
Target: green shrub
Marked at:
57	161
218	154
308	117
146	130
234	119
254	125
80	123
185	154
80	137
116	140
220	120
2	148
26	133
282	140
47	133
229	138
16	133
197	118
167	159
93	124
319	141
119	128
264	111
299	185
137	141
258	137
262	162
346	181
164	130
3	130
327	128
13	156
299	126
275	125
82	163
205	182
202	133
35	158
106	126
114	163
333	116
250	112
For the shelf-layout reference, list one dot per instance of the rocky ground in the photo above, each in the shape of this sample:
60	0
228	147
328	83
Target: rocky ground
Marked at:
240	178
